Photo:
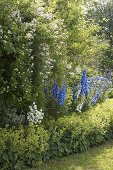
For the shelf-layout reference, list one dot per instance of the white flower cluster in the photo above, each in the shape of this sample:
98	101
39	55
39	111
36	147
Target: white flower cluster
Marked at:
34	116
58	25
41	12
44	48
49	64
78	70
59	33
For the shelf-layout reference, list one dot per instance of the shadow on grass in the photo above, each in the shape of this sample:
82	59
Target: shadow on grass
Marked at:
97	158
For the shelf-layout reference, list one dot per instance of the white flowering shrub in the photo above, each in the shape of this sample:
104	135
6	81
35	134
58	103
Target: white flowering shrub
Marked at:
34	116
33	51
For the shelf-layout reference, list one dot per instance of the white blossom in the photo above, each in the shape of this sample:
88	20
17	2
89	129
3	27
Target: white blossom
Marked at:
78	70
79	107
32	65
16	69
34	116
69	66
72	73
40	11
32	57
9	32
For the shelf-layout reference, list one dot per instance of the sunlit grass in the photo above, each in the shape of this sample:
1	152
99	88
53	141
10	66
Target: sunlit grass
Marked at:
97	158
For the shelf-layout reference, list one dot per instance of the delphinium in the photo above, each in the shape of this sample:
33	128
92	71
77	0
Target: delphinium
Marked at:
80	92
84	84
90	90
56	93
99	88
62	95
55	90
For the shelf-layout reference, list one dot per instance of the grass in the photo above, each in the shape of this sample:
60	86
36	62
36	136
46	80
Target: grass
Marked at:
97	158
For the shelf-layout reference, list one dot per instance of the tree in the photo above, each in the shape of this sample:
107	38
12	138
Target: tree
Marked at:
102	13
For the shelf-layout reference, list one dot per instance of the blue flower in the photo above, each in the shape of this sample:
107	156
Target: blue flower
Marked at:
83	76
55	90
84	85
95	98
62	95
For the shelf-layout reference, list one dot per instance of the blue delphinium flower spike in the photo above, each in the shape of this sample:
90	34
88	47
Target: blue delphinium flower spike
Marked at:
62	95
84	85
55	90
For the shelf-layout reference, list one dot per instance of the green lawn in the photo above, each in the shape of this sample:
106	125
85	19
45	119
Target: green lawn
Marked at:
97	158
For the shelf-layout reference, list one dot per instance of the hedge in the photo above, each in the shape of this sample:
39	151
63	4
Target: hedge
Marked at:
18	150
70	134
76	133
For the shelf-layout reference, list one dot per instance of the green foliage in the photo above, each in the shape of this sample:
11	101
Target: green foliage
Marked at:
101	12
43	42
33	52
76	133
110	95
100	157
68	135
18	150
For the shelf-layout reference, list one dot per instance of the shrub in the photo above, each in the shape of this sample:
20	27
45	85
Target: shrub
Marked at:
76	133
69	134
30	55
18	150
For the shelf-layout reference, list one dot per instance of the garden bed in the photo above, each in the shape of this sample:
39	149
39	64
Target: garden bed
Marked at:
68	135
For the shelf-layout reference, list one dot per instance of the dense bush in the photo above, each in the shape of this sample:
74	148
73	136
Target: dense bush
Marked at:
32	52
23	147
76	133
68	135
